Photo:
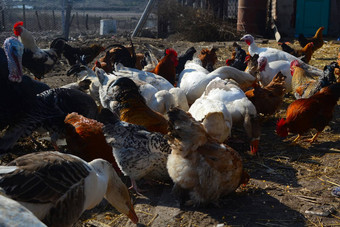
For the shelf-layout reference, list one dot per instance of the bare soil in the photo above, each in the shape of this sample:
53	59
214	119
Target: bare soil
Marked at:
289	185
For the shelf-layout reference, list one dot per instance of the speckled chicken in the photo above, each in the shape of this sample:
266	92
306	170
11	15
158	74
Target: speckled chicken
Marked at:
199	164
85	139
139	153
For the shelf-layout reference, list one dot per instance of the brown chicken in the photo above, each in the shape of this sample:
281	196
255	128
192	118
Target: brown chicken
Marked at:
132	107
86	140
85	54
166	67
104	63
268	100
208	58
317	39
314	112
306	51
304	85
199	164
120	54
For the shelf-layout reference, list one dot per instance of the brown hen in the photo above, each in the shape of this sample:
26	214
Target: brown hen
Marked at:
268	99
317	39
199	164
86	140
132	107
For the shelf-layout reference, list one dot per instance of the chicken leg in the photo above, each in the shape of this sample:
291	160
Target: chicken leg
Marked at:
296	139
313	138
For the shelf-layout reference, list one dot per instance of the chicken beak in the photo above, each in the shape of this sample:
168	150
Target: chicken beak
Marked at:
132	215
254	146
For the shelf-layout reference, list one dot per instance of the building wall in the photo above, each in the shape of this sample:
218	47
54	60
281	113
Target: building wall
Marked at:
334	19
285	17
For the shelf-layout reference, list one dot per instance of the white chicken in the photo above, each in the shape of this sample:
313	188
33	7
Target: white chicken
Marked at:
242	111
194	78
273	54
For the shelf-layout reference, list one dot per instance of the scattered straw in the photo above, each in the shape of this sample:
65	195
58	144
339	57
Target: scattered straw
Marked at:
329	182
114	220
141	211
149	223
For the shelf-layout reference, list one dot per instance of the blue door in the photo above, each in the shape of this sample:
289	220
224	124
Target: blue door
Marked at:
310	15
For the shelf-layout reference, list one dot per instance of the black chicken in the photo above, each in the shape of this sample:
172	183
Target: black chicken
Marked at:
188	55
238	60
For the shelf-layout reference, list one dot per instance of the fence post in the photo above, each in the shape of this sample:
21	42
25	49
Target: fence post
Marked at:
87	22
24	13
77	20
54	22
39	25
67	20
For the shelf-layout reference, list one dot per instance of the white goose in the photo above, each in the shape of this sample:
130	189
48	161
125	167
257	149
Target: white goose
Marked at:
194	78
214	116
242	111
57	188
13	213
159	98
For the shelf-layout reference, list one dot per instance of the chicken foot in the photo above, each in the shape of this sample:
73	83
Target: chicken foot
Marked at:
296	139
135	187
313	138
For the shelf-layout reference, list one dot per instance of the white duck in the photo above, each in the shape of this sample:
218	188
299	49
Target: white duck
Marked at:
57	188
194	78
269	69
242	111
273	54
214	116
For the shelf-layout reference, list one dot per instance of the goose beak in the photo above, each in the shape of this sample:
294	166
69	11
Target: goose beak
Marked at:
132	215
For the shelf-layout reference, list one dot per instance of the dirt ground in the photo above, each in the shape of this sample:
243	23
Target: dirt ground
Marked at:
289	185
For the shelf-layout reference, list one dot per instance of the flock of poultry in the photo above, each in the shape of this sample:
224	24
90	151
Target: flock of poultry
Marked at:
135	115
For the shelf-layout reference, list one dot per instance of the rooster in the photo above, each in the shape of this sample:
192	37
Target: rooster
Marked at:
317	39
38	61
199	164
167	66
307	113
268	99
139	153
306	52
85	139
122	96
208	58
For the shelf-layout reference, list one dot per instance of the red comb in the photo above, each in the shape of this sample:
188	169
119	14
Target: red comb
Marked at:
19	23
171	51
